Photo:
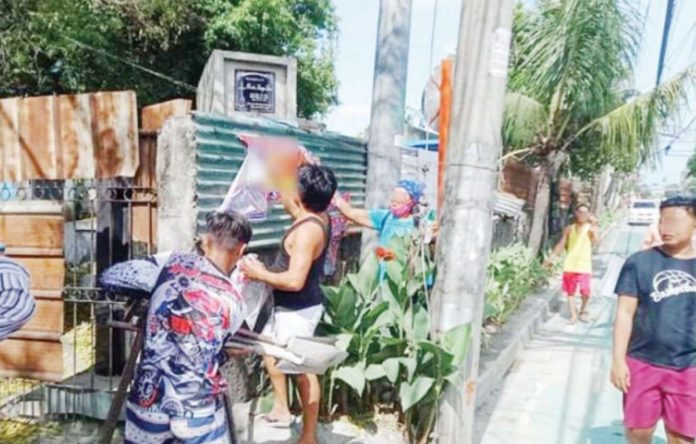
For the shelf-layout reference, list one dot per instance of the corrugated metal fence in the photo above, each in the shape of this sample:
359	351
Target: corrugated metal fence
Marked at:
220	154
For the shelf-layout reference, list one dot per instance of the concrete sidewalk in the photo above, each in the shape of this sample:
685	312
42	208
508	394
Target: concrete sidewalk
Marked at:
559	391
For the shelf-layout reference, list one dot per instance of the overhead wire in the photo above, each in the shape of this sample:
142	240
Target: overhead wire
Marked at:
669	15
152	72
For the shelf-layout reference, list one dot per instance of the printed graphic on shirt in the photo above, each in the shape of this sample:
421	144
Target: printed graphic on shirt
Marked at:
193	311
670	283
664	327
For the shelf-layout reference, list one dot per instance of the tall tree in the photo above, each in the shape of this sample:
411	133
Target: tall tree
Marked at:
83	45
571	59
691	167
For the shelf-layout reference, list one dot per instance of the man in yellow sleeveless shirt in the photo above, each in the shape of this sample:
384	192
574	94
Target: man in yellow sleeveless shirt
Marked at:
577	241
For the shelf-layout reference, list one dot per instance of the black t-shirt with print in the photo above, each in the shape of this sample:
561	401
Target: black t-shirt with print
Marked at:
664	329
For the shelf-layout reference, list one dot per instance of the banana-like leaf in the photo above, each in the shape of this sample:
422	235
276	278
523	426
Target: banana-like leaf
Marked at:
421	324
353	375
411	393
374	372
391	369
456	342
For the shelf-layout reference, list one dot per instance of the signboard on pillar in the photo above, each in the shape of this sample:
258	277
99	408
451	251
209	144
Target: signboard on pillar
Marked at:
236	83
255	91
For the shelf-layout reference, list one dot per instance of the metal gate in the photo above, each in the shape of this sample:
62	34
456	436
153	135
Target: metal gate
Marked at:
99	223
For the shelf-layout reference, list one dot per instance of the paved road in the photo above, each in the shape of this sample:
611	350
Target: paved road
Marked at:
558	392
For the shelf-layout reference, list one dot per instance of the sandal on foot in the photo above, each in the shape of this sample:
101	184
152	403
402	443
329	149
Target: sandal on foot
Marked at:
277	423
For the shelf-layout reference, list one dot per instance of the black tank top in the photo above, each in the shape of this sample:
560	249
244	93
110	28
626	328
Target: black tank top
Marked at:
311	294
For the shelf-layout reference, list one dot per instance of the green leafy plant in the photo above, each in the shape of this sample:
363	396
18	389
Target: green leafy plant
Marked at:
394	357
513	272
75	46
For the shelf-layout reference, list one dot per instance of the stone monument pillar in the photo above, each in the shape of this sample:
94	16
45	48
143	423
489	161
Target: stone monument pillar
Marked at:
236	83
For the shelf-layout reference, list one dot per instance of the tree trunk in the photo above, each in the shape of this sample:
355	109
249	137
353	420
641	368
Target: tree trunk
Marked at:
601	193
542	203
611	193
597	194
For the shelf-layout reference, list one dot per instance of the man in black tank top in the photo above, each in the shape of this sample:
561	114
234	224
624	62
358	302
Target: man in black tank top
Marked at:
296	277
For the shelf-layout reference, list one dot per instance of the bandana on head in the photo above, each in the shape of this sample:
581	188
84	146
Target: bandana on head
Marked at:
413	188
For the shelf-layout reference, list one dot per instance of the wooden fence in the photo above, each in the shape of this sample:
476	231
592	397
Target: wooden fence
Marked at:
33	233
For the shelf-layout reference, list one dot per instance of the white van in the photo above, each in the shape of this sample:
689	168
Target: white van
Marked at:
644	212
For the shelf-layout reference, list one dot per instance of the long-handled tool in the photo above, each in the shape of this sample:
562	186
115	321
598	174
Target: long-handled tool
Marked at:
300	355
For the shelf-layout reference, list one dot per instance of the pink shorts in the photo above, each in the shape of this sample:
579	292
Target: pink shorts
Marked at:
658	392
571	282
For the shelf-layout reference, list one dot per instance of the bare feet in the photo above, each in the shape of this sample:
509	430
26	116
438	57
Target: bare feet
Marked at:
584	316
573	321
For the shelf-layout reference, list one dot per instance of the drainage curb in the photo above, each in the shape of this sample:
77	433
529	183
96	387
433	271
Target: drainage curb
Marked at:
506	345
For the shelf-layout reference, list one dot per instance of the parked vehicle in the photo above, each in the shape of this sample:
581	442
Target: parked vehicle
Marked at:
644	212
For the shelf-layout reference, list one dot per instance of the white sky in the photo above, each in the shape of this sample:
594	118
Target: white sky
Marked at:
356	52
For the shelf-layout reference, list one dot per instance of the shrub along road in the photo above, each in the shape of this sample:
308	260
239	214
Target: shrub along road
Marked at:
559	389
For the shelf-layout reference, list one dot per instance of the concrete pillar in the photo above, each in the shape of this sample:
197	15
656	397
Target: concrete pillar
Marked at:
176	185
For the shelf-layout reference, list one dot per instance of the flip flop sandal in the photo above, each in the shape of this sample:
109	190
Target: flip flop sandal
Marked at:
277	423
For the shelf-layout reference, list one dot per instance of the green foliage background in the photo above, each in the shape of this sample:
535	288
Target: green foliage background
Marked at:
172	37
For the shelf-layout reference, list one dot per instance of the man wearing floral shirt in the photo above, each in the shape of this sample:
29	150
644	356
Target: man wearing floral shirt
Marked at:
176	395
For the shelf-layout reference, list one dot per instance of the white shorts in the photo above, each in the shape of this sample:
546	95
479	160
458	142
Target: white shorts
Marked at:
285	323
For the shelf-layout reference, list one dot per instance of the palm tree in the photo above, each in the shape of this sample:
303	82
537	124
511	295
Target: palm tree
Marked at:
570	59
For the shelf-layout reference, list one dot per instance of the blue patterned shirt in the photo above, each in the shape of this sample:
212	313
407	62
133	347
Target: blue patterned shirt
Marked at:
17	306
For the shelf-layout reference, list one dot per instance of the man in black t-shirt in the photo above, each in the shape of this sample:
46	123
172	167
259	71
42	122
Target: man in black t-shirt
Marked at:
654	362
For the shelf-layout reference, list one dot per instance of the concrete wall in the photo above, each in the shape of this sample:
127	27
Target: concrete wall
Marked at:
176	185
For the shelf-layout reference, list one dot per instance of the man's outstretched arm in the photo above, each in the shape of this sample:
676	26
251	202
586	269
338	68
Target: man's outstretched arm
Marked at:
358	216
135	278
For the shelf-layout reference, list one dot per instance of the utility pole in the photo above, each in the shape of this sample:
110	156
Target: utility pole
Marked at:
471	173
388	105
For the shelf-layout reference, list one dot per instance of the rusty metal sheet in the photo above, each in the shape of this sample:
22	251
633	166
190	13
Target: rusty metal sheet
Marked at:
10	169
154	116
82	136
145	202
37	138
75	136
115	132
520	180
146	175
565	192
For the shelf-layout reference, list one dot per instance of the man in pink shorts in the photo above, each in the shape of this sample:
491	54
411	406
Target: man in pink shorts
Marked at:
654	362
